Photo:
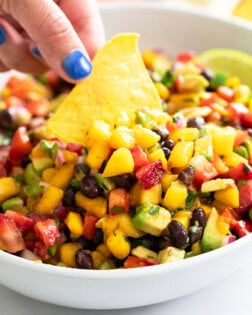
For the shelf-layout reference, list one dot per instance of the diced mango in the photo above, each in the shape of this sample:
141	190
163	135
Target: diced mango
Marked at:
124	118
48	174
120	162
125	224
74	223
63	175
175	196
103	249
118	244
228	196
67	253
184	217
109	224
50	199
223	140
97	154
96	206
145	137
122	137
162	90
8	188
185	134
181	154
158	155
167	179
68	157
97	258
233	159
151	195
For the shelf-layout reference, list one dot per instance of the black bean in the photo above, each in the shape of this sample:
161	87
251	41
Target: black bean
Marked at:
83	259
162	132
167	152
169	144
250	132
199	217
207	74
6	121
178	234
25	160
69	197
123	181
196	122
89	187
187	175
98	237
195	233
163	242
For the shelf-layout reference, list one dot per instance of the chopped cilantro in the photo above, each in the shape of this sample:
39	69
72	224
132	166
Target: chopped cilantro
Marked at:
167	79
191	196
154	209
116	209
18	178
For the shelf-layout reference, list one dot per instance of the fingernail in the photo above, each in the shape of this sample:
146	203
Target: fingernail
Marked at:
77	65
36	52
3	35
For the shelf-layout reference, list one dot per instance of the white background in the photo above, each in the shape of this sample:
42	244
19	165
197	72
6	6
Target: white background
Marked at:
230	296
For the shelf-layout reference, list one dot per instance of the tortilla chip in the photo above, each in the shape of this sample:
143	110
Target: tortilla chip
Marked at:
119	81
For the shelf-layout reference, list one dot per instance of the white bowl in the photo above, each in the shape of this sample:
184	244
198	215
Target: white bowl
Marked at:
175	30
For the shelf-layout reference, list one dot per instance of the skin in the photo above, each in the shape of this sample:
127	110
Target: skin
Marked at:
54	27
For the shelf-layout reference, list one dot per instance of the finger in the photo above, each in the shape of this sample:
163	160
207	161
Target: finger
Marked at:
3	68
50	29
14	51
86	21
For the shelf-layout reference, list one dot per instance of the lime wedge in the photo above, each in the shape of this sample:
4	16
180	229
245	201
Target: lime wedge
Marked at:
228	61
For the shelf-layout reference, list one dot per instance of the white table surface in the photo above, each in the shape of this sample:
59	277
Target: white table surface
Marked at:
231	296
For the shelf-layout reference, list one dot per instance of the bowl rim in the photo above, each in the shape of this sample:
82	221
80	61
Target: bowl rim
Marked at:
120	274
175	7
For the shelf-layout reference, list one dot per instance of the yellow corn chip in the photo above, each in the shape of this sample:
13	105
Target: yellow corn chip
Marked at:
119	81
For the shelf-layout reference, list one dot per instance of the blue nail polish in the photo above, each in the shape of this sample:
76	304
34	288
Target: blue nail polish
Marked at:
77	65
3	35
36	52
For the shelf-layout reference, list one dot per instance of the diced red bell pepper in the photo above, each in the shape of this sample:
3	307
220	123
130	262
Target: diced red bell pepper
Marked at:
150	174
10	236
204	170
208	101
89	226
20	144
245	197
226	93
241	172
134	262
118	201
47	231
242	228
171	126
23	223
39	108
139	157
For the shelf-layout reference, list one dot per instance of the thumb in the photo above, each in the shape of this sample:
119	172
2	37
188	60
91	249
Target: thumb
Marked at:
53	34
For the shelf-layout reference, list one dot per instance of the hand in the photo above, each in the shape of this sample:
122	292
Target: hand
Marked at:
60	34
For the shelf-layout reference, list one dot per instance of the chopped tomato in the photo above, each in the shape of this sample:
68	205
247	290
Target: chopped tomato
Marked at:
241	172
118	201
11	238
204	170
39	108
20	144
19	87
236	110
185	56
89	226
133	262
22	222
226	93
74	147
47	231
241	137
246	120
139	157
245	196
